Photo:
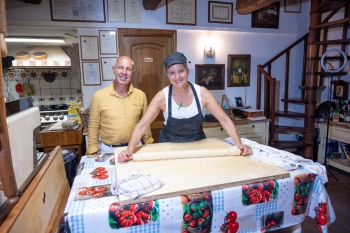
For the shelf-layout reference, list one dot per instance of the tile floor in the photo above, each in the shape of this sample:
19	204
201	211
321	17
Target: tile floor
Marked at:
339	193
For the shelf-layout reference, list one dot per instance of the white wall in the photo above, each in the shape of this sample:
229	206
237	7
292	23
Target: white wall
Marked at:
236	38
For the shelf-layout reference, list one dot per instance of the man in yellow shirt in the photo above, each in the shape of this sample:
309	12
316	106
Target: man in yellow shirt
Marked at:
115	111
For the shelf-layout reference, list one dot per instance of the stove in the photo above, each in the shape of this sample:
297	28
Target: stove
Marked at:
51	115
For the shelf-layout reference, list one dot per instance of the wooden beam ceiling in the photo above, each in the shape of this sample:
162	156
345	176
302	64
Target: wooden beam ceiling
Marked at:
151	4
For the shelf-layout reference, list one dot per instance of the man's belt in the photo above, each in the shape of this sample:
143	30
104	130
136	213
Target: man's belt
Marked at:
119	145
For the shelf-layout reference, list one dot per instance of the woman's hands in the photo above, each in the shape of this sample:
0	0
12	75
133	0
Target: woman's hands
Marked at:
246	150
124	156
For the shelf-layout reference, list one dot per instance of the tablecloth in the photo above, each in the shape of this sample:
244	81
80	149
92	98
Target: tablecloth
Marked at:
259	207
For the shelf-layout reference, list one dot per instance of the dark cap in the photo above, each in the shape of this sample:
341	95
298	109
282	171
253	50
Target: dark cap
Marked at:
175	58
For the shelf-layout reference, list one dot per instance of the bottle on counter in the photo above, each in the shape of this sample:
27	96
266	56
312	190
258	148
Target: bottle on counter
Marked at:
73	112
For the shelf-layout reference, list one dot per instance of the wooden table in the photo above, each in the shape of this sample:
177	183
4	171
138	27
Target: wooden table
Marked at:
67	139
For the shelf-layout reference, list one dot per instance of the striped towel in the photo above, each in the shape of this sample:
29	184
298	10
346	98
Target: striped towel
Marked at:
136	185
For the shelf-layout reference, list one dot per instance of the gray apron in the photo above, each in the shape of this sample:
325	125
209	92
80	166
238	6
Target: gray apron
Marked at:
183	130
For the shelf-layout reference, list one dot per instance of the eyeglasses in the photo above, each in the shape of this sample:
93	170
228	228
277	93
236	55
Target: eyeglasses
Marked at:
122	68
174	73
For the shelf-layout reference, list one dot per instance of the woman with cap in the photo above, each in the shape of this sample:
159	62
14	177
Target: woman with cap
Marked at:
182	103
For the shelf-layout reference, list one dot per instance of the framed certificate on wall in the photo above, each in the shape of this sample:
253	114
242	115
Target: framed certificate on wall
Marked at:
91	73
107	64
108	42
181	12
89	47
79	11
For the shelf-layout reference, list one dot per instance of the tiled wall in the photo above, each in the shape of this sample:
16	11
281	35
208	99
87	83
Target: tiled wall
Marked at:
63	90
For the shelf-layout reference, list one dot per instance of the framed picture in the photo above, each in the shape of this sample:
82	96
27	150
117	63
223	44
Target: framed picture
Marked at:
292	6
91	73
239	102
181	12
81	11
267	17
238	73
89	47
106	64
108	42
220	12
211	76
340	89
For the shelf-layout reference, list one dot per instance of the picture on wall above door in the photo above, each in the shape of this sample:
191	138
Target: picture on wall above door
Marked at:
292	6
267	17
181	12
210	76
238	73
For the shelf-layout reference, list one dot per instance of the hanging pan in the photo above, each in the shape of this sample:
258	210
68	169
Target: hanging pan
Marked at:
49	77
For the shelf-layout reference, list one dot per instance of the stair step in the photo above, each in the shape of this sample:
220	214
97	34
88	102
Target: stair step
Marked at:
333	24
293	114
289	144
287	129
329	5
326	73
330	42
298	101
313	88
336	58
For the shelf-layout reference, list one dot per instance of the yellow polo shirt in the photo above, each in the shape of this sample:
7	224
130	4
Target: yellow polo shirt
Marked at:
113	118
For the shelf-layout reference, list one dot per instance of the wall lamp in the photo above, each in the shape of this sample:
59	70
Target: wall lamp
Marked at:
209	51
33	39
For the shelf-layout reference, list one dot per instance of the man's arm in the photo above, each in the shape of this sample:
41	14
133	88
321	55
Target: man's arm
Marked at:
147	137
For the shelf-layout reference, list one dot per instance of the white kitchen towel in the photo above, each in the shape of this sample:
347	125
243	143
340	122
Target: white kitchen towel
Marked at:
136	185
283	159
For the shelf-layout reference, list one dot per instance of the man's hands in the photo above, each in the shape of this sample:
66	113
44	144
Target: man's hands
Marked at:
124	156
246	150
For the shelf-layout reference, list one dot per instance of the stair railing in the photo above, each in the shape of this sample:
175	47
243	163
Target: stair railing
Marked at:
270	83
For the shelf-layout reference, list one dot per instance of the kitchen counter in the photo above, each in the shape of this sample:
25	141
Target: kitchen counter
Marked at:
67	139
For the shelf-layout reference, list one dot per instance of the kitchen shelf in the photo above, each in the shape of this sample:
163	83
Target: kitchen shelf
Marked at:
39	67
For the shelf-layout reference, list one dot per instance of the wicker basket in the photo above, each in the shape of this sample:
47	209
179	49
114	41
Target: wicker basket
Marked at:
84	116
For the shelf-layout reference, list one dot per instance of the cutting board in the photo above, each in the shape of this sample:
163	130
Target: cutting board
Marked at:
192	175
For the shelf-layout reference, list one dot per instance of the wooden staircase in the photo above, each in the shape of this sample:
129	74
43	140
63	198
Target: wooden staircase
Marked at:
315	44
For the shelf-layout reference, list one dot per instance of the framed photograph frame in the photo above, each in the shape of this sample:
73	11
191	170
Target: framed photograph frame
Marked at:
181	12
238	73
91	73
211	76
108	41
340	89
266	17
89	48
292	6
220	12
106	65
239	102
87	11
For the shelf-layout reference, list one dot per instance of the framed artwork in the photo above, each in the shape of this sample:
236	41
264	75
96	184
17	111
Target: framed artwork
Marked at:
91	73
106	64
89	47
239	102
181	12
83	11
220	12
238	73
211	76
292	6
108	42
267	17
340	89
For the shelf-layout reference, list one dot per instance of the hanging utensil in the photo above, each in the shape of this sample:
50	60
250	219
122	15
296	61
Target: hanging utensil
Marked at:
49	77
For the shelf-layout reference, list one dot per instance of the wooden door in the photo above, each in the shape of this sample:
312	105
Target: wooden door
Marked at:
148	49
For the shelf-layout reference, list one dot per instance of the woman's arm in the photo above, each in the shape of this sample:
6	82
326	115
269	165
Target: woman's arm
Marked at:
214	108
157	104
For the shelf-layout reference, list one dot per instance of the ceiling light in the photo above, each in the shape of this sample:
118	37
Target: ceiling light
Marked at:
28	39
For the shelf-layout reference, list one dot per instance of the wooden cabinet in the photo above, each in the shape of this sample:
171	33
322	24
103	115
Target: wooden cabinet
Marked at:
339	133
257	131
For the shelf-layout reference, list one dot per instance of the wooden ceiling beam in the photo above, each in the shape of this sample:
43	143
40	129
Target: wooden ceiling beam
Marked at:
151	4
